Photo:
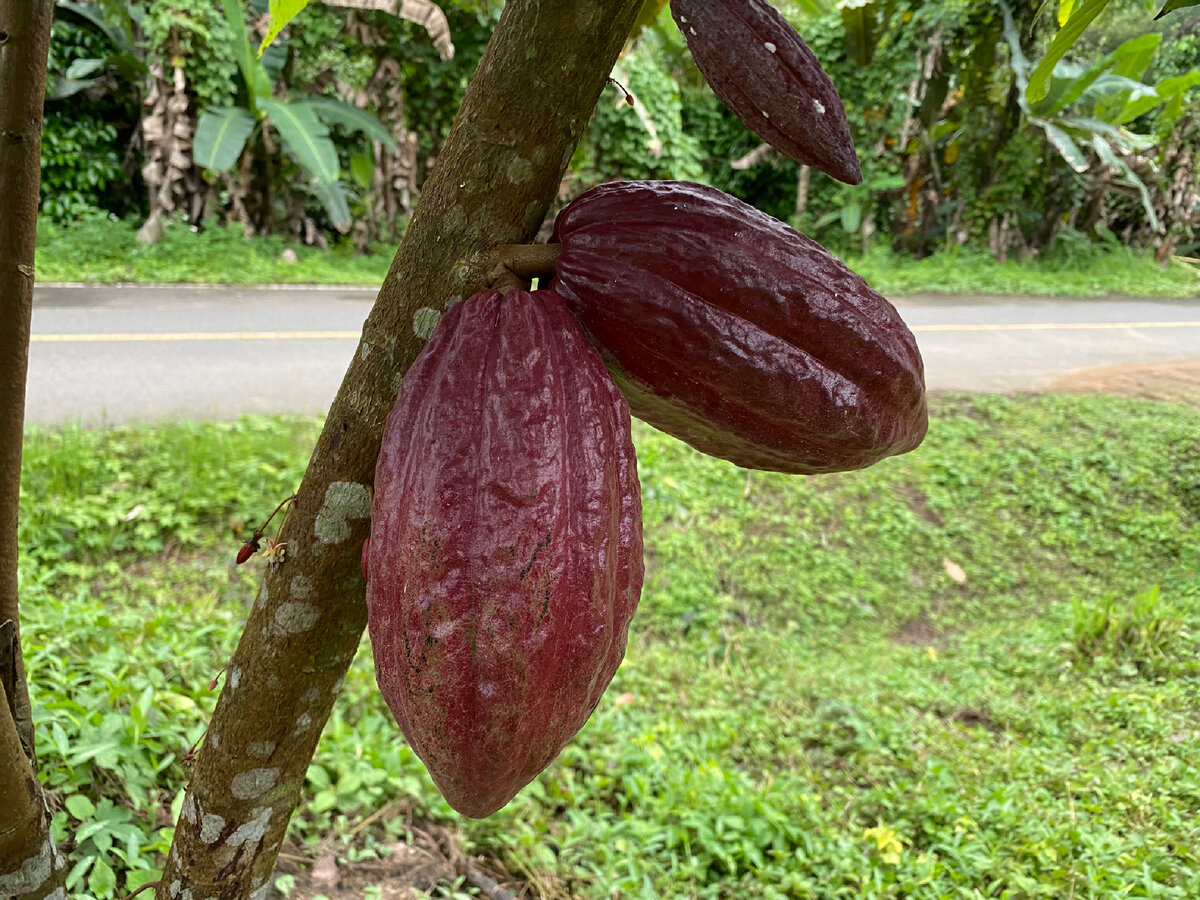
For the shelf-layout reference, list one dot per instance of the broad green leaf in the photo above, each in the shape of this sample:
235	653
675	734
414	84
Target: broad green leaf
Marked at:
119	36
332	111
1166	90
1069	83
1088	125
1110	159
135	878
84	68
274	58
851	217
323	801
811	7
1081	18
861	26
61	88
78	871
282	12
1133	57
362	169
305	137
258	83
1067	147
221	136
102	880
1110	93
333	198
1173	5
80	806
646	17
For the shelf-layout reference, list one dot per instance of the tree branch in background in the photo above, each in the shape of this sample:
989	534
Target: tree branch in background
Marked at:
30	866
498	173
424	12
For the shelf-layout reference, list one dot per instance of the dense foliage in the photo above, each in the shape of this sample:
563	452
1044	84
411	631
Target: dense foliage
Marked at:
952	150
968	671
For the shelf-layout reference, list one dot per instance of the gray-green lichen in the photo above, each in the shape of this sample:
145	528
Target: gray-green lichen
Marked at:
295	618
344	500
425	321
254	783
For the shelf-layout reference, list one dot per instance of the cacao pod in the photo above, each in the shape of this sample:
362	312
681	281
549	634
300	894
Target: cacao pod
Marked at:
737	334
505	557
762	70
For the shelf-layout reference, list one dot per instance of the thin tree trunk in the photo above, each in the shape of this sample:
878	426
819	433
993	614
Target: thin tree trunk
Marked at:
30	866
500	169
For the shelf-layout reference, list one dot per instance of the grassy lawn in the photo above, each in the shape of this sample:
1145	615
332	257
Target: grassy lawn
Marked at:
968	672
104	252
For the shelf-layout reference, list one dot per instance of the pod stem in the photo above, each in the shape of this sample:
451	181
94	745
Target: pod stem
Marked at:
512	266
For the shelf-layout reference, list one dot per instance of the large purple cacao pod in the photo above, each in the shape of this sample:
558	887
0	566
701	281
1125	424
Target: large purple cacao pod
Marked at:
762	70
505	559
737	334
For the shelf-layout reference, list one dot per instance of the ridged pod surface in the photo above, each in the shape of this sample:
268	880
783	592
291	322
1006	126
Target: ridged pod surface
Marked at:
737	334
505	559
762	70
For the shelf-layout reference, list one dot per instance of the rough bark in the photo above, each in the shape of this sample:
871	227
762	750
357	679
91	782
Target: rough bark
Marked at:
500	169
29	862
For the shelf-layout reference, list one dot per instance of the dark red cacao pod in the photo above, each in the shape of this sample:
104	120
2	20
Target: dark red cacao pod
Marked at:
762	70
505	558
731	331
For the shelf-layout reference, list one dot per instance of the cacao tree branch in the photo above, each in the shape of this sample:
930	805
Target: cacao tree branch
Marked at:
30	866
500	169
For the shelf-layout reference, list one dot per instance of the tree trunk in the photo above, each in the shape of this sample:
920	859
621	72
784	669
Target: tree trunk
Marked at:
518	126
29	862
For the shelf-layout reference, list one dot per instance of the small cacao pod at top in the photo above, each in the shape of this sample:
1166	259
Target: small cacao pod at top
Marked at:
505	557
737	334
762	70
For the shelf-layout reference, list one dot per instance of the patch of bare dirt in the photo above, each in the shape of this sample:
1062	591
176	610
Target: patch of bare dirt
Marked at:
918	632
1177	382
970	717
410	871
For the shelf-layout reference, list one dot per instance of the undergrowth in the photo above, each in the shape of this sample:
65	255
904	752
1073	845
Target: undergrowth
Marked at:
966	672
103	251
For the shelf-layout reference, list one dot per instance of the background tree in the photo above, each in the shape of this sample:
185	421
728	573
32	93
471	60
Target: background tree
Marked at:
30	865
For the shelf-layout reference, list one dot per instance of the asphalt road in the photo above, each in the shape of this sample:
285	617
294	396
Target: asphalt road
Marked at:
120	354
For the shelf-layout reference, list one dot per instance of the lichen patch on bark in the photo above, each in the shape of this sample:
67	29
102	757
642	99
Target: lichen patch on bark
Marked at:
33	873
295	618
344	500
254	783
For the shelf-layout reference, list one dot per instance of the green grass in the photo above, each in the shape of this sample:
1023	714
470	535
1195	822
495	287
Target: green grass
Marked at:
811	705
102	251
1085	271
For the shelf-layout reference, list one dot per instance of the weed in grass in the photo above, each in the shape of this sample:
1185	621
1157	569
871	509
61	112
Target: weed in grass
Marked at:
1144	634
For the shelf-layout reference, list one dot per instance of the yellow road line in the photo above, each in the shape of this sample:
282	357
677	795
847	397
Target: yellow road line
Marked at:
1055	326
197	336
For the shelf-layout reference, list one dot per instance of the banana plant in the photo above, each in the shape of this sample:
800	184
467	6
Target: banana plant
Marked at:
1090	107
222	133
117	21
